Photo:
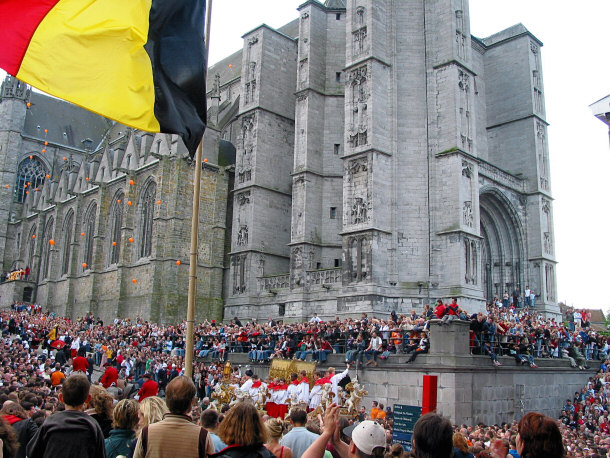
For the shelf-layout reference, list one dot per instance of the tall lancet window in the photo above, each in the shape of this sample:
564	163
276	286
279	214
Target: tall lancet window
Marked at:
30	175
147	211
48	236
67	243
31	247
114	232
89	230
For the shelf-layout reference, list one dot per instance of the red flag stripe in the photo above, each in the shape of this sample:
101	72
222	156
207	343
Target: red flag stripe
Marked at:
19	22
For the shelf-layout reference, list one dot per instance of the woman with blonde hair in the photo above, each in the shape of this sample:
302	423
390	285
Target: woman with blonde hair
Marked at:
276	428
244	433
125	422
100	408
152	410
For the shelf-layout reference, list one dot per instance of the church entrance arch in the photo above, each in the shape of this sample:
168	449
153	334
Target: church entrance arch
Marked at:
502	248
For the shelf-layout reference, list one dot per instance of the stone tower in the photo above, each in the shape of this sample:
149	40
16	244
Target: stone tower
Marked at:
420	168
14	96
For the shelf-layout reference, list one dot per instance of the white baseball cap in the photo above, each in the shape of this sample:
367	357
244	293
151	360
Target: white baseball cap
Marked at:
367	436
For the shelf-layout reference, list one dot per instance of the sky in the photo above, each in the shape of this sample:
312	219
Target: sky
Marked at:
575	75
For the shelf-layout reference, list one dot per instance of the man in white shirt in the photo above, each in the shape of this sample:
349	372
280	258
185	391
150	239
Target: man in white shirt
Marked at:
248	383
335	379
526	295
315	318
577	319
373	349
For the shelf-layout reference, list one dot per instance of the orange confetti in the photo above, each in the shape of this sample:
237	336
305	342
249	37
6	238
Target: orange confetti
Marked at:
36	189
84	265
34	236
6	186
31	157
158	202
230	65
131	182
64	158
113	243
29	183
87	179
129	203
48	176
205	160
46	143
27	192
178	262
46	131
28	104
51	242
133	280
44	150
118	201
82	234
130	239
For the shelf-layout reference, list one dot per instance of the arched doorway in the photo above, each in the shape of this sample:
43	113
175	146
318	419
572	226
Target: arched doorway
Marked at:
502	248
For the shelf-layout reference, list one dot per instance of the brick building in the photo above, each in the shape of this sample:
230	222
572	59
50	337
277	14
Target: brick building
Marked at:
384	157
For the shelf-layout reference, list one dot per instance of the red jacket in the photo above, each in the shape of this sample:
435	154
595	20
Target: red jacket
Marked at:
80	363
110	376
149	388
439	311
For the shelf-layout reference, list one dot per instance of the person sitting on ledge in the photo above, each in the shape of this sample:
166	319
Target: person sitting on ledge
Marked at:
451	312
489	351
524	353
424	346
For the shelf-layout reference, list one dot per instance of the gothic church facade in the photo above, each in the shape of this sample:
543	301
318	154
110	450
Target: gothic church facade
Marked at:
384	157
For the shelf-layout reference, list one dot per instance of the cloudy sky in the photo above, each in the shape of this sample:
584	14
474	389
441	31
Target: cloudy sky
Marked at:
575	75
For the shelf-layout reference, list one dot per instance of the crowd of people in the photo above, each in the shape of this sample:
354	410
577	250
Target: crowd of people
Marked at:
41	352
19	273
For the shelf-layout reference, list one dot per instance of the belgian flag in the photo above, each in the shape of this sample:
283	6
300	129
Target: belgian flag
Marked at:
139	62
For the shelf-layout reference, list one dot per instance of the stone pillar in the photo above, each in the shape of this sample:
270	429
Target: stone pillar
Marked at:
449	339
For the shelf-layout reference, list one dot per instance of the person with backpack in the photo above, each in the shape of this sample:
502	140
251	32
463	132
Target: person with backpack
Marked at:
176	435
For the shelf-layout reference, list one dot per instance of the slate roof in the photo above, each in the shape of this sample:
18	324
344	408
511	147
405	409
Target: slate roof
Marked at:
335	4
67	124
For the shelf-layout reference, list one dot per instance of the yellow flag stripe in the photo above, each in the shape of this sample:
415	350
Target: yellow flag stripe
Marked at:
91	53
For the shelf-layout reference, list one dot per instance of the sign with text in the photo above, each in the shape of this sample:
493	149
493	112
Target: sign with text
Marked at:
405	418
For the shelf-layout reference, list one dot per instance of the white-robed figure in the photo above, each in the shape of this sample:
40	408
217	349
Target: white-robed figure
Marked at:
304	388
245	387
281	398
254	389
335	379
315	395
294	389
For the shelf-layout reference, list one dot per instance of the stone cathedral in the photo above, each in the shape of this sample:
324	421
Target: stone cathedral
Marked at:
370	156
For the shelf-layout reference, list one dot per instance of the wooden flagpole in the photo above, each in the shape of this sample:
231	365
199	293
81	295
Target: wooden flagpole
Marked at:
190	311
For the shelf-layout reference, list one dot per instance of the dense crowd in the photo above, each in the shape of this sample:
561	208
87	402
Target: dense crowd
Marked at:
39	351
